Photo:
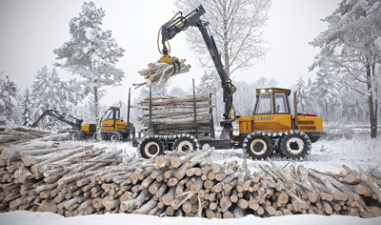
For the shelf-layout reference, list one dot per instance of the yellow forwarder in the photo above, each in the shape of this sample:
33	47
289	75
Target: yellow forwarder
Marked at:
272	127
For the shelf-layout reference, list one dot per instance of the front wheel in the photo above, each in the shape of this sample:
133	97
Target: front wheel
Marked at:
185	144
150	147
258	146
295	145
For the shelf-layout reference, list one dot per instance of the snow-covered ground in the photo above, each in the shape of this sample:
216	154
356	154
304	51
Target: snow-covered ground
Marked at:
359	152
30	218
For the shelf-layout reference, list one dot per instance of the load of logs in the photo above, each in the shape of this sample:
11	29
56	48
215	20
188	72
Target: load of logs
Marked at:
159	73
72	178
177	115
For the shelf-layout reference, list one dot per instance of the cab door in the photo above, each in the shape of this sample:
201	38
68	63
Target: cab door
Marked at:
108	120
272	112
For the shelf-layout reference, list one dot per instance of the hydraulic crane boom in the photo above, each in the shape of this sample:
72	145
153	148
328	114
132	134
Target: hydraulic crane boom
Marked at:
180	23
54	113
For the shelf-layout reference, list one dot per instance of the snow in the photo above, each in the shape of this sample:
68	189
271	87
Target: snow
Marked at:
90	34
26	218
358	153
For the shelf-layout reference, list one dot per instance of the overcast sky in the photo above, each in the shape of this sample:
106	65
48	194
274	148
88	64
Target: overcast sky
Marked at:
32	29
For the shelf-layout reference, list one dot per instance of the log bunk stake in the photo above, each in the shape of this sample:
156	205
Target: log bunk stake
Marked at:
72	179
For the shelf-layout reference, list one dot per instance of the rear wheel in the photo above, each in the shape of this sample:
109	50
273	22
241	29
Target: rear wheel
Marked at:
295	145
258	146
186	144
151	147
116	137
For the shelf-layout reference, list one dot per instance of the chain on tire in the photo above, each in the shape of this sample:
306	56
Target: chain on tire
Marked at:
295	145
76	136
186	143
150	147
116	137
258	146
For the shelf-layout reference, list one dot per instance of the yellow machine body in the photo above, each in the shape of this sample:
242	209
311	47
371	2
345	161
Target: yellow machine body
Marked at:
88	129
273	114
111	120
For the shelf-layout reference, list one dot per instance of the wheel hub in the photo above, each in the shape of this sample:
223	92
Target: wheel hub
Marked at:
185	146
258	146
295	145
152	149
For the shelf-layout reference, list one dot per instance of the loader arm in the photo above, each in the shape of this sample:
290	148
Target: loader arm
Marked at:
54	113
180	23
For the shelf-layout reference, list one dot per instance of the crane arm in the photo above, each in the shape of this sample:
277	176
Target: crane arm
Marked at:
180	23
54	113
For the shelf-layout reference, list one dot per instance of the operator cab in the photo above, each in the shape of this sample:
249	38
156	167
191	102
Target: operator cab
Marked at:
272	101
271	112
113	113
110	121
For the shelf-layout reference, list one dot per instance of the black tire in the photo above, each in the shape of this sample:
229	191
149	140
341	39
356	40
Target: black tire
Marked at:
100	136
116	137
186	143
76	135
258	146
314	139
295	145
151	147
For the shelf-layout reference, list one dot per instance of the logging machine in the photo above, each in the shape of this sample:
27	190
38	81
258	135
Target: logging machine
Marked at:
271	128
112	127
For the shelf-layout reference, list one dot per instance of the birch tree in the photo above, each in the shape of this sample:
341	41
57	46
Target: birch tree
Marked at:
351	47
91	52
237	27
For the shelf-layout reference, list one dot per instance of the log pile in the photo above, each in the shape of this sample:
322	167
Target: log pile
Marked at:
14	135
176	115
80	179
51	175
159	73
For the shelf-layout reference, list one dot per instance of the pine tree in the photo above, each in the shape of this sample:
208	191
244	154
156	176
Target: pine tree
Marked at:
45	90
26	109
48	92
8	99
91	52
325	90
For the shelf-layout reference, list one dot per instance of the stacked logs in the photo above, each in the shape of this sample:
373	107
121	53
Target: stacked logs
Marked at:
14	135
79	179
159	73
46	175
175	115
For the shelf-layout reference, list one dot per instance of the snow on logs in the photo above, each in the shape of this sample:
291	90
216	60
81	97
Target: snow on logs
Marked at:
72	178
159	73
14	135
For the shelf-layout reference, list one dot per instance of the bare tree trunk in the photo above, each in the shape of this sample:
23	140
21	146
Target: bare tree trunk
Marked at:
372	102
96	105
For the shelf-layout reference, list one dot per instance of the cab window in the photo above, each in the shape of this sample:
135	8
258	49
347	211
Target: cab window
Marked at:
264	104
281	103
108	115
117	114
